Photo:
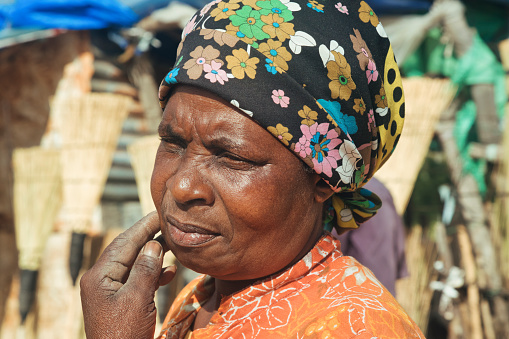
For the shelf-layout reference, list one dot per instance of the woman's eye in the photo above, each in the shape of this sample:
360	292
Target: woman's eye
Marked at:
236	162
171	145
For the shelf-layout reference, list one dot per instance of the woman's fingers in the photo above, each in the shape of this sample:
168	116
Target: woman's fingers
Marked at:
167	275
117	293
160	239
145	273
118	258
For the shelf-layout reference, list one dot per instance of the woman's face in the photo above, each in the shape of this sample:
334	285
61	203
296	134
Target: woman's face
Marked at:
233	202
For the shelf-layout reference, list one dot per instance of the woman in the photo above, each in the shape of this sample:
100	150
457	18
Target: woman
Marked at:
275	114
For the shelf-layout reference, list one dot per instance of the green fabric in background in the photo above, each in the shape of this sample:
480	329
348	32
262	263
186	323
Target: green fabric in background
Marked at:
428	58
478	66
465	122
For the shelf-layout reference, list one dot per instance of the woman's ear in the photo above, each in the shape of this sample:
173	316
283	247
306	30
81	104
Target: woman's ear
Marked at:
323	191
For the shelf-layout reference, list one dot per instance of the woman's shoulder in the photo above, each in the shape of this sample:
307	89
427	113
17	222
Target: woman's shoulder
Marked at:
348	301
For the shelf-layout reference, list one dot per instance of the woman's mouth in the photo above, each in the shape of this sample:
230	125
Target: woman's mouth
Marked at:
186	235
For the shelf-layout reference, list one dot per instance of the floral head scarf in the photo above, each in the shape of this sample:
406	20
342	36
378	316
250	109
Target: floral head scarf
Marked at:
320	76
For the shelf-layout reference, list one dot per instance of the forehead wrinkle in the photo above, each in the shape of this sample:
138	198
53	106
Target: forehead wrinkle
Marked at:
178	119
225	132
166	129
216	124
225	142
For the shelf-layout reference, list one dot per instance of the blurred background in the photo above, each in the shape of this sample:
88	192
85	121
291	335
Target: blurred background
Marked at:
78	123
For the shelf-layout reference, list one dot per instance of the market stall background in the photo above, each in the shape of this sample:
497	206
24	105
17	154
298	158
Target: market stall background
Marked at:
55	54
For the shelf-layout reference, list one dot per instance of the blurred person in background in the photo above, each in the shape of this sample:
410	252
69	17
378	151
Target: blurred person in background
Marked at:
379	244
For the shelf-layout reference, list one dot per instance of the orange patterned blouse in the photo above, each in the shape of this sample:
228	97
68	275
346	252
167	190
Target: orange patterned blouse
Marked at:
324	295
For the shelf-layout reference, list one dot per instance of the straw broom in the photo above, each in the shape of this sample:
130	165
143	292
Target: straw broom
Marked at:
91	126
425	100
413	292
143	154
37	201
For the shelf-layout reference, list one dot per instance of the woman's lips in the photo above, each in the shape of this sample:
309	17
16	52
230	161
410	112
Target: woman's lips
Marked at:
189	235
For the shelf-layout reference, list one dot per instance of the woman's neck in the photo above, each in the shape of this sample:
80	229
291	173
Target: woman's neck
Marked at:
224	288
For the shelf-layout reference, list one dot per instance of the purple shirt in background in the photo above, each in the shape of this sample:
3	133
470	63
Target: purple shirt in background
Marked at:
379	243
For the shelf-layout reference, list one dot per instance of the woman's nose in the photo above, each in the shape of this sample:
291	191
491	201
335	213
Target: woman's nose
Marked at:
189	185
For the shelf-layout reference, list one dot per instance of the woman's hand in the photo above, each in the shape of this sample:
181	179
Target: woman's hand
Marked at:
117	293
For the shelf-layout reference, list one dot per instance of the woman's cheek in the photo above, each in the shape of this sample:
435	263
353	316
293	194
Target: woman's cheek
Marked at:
157	186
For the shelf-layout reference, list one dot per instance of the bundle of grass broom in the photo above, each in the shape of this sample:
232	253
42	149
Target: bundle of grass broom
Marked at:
425	100
143	154
37	201
413	292
91	126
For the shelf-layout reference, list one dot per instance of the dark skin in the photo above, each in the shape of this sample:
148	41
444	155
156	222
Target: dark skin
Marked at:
117	293
226	207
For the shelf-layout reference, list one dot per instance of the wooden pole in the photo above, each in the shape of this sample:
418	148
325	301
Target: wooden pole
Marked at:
473	298
487	320
472	210
443	245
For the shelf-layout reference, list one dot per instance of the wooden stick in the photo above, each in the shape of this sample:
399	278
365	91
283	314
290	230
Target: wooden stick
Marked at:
487	320
500	213
472	210
443	245
468	262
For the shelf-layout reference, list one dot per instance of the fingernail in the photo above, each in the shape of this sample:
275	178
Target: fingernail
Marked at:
153	249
